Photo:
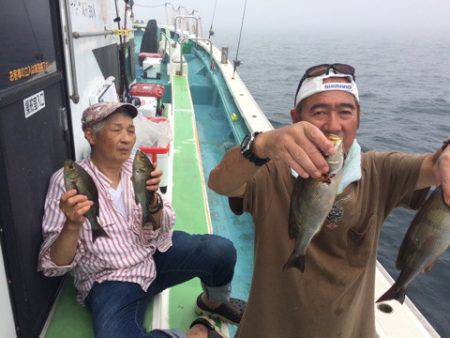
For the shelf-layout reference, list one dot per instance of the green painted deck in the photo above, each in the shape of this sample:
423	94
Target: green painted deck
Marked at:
188	195
72	320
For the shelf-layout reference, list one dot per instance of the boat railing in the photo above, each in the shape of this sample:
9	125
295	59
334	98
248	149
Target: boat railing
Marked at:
166	42
105	33
182	41
180	18
211	60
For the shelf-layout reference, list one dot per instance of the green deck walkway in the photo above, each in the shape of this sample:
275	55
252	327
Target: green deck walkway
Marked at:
188	195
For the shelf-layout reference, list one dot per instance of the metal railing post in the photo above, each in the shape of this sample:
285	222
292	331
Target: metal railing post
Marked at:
106	32
181	59
75	97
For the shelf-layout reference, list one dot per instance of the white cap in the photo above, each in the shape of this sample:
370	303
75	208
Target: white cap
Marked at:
314	85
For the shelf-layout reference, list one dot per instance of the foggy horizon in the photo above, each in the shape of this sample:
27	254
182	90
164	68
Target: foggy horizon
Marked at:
411	16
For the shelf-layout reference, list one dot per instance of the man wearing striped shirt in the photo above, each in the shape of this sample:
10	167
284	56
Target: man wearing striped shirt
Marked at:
117	274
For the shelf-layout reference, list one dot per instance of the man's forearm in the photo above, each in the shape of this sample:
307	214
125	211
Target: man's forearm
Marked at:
63	250
230	176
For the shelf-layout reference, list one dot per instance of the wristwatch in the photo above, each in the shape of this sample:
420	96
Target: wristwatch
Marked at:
159	204
247	150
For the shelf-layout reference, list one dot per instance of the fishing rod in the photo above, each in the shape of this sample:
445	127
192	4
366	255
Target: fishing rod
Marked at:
237	62
123	86
211	32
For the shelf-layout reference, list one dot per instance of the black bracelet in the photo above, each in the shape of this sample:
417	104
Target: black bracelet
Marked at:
159	204
247	150
445	145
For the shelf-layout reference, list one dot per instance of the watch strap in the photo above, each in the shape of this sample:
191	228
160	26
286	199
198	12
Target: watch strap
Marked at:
249	153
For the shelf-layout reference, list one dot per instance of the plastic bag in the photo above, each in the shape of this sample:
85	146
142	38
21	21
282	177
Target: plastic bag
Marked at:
155	132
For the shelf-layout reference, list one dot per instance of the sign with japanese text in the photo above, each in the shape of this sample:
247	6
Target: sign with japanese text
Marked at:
33	104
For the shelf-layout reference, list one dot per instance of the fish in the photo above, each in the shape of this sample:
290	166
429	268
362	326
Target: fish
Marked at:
311	202
142	168
75	177
427	238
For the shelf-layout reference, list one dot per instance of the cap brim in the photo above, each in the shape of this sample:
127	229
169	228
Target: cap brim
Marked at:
127	108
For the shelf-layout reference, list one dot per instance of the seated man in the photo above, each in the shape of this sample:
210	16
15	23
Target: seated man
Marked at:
117	274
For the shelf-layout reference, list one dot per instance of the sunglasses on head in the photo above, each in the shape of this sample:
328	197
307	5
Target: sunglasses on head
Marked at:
338	68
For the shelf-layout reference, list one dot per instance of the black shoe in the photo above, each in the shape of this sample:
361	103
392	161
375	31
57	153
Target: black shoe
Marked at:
230	312
213	330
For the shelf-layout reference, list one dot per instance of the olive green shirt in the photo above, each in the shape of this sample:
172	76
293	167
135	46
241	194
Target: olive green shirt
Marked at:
334	297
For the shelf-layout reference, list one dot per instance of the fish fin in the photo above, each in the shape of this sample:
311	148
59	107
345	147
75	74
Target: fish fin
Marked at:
295	261
429	266
99	232
292	225
393	293
149	221
292	228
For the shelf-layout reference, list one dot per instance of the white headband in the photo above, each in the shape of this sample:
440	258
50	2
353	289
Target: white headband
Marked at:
314	85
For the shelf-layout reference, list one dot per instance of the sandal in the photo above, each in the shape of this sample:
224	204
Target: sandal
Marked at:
230	312
213	330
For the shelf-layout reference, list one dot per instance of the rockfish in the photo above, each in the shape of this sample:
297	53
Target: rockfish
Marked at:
311	202
427	238
75	177
142	168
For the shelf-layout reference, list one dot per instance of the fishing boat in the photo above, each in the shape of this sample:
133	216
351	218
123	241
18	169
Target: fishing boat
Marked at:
63	56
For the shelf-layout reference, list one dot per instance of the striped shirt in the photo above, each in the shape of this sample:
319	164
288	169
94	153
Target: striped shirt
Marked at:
125	255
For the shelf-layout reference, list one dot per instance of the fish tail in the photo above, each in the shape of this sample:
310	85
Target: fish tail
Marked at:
148	221
297	261
393	293
99	232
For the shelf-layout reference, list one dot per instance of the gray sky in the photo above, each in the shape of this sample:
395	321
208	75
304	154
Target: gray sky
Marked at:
399	15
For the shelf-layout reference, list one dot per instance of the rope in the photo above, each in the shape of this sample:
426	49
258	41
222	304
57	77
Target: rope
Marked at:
212	21
236	61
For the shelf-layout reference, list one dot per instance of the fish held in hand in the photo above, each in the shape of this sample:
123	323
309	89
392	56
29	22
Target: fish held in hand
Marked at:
142	168
311	202
75	177
427	238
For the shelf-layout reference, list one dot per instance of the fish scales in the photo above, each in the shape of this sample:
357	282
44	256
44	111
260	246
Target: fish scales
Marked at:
427	238
75	177
142	168
311	202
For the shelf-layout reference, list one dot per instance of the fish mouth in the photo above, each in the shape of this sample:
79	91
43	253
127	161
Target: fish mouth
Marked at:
334	138
333	162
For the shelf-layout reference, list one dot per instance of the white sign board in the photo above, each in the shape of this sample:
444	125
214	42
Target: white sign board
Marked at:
33	104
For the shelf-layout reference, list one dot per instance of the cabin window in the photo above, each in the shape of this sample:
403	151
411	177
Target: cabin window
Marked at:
27	42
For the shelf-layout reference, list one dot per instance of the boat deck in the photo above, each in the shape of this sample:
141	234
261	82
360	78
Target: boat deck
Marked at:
189	195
